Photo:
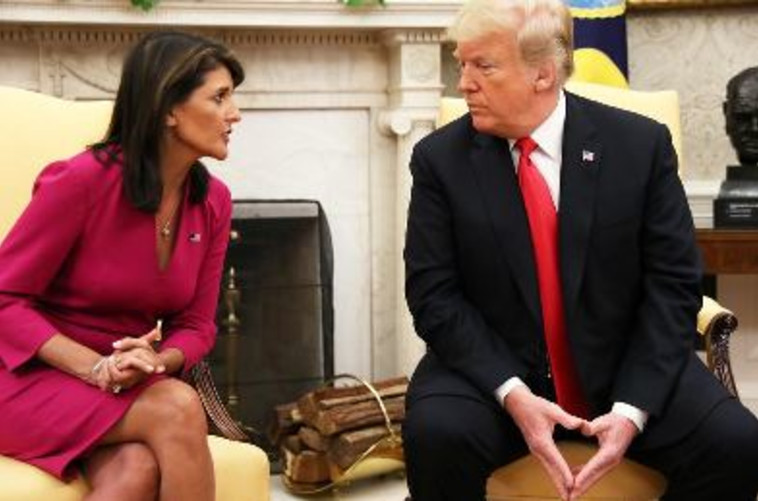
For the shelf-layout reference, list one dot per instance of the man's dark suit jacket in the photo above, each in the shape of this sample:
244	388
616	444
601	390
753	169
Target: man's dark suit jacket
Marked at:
629	265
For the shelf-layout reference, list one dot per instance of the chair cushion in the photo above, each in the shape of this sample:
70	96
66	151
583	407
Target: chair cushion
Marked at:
22	481
242	474
242	470
526	478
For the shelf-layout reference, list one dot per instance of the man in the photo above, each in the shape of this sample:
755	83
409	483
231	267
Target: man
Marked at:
741	113
542	323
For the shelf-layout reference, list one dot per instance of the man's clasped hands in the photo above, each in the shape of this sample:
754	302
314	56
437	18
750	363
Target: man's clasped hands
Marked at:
537	417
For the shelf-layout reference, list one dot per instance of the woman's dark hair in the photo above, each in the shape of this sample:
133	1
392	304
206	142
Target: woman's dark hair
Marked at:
160	72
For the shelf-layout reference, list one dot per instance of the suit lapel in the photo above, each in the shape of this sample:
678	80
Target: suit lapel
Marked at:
496	177
582	157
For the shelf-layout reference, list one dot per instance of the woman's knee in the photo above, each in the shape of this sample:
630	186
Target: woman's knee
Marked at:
176	408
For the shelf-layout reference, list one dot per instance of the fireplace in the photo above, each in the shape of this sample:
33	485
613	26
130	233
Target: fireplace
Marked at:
275	315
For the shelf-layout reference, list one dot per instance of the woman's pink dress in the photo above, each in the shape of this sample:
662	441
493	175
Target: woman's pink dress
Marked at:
82	261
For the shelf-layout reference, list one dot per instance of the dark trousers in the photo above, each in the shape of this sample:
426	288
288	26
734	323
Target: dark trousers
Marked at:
452	444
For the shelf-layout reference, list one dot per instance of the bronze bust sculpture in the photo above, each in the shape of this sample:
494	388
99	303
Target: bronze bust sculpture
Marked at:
741	113
737	203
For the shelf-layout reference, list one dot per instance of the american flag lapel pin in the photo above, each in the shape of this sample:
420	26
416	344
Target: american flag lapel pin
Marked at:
588	156
195	238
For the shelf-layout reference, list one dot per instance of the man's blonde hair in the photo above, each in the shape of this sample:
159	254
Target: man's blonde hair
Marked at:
543	28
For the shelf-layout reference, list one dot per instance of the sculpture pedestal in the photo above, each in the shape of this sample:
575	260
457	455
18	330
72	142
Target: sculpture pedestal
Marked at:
736	205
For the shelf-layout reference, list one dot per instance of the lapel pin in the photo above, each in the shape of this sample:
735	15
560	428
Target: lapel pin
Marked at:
588	156
194	238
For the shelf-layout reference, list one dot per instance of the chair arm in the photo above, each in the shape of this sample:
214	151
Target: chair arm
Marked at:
716	324
201	378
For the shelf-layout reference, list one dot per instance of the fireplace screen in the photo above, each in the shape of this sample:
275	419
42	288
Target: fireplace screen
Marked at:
275	314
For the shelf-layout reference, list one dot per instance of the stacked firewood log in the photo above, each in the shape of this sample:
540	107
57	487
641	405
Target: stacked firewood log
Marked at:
328	430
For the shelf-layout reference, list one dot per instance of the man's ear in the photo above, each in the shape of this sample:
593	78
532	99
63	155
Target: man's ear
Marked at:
545	77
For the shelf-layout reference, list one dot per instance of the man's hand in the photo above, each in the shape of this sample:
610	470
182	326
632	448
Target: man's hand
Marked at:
614	433
536	418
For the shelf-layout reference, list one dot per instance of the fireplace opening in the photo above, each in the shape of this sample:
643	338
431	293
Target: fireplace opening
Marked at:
275	316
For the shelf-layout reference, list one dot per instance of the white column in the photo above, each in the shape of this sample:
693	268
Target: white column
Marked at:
414	91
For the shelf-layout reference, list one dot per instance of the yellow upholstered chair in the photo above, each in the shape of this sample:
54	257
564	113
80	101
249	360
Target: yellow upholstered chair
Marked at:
662	106
35	130
525	478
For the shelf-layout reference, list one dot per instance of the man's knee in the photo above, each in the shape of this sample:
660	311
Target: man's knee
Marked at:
445	428
435	433
728	451
452	444
740	448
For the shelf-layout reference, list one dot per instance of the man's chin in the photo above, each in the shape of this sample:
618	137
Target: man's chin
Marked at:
481	124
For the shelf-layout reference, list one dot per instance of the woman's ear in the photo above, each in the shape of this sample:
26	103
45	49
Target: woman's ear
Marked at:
170	119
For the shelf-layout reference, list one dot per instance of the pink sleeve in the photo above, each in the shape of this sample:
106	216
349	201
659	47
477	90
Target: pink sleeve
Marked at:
193	330
32	254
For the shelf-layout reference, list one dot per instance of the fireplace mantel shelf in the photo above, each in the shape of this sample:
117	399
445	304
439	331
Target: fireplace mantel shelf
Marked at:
318	14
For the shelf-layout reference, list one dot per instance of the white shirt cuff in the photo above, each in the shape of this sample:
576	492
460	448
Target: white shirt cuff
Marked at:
637	416
504	389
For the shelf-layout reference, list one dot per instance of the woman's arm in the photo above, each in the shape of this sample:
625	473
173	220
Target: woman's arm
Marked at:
192	331
69	356
31	256
73	358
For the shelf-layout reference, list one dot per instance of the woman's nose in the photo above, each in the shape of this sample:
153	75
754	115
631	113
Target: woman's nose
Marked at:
234	113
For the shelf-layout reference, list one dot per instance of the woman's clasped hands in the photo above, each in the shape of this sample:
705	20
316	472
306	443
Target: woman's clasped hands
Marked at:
132	361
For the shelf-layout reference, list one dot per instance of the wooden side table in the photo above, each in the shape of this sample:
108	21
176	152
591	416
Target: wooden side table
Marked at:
725	251
728	251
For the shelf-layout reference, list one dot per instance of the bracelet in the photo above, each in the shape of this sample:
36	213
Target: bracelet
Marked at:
96	368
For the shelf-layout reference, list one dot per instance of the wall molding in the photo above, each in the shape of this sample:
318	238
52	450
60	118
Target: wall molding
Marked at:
234	13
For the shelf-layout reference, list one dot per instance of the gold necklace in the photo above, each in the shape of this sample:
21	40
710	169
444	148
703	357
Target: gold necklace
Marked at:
165	229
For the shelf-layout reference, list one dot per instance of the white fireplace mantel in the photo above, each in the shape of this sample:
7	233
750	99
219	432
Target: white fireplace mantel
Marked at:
320	14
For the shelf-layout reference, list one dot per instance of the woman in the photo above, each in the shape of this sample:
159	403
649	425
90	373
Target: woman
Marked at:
124	237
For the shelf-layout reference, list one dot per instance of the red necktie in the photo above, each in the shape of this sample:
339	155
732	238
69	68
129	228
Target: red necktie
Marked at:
543	223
